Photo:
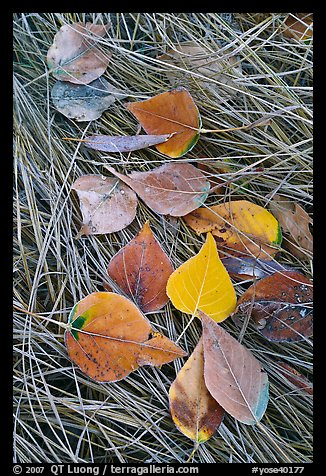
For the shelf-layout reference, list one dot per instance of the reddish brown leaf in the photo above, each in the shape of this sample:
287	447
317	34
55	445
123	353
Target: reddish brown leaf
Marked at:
233	376
141	269
172	189
281	306
299	26
193	409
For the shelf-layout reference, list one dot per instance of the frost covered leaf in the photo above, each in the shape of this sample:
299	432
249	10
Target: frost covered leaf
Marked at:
233	376
193	409
107	204
84	102
202	283
210	65
108	338
123	143
171	189
141	269
281	306
75	55
166	113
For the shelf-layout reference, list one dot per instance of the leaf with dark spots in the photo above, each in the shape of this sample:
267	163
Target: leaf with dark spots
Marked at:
193	409
171	189
252	268
141	270
107	204
123	143
108	338
281	306
84	102
75	55
295	377
233	376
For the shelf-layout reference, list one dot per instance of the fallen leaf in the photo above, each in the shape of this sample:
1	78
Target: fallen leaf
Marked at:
171	189
141	270
233	376
123	143
172	111
75	55
295	377
239	226
108	338
281	306
295	222
202	61
299	26
193	409
251	268
202	283
84	102
107	204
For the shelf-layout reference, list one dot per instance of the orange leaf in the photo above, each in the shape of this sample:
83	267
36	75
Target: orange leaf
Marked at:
172	111
141	269
108	338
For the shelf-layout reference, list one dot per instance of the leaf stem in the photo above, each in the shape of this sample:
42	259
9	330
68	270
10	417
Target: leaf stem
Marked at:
60	324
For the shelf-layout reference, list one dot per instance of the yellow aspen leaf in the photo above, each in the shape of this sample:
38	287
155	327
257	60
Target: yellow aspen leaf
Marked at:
202	283
239	226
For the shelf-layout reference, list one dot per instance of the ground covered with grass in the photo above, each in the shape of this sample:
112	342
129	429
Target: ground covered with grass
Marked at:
59	414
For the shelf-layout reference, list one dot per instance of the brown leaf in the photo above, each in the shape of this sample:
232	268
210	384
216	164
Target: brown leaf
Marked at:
171	189
141	269
294	221
193	409
107	204
108	338
299	26
123	143
84	102
281	306
296	378
170	112
233	376
75	55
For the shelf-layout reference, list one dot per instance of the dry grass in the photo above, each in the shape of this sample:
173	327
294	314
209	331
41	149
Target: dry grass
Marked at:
60	415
